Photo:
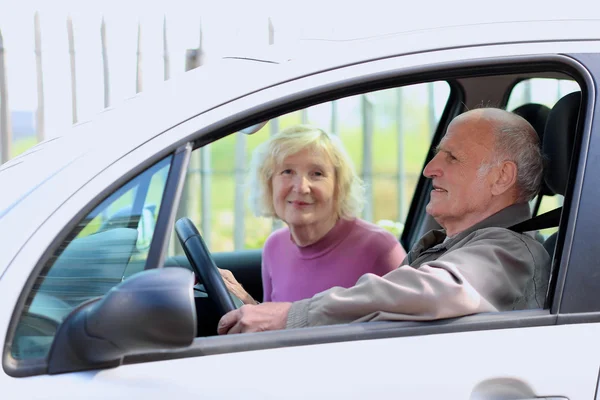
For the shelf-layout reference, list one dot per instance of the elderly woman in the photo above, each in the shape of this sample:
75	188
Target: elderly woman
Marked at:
304	177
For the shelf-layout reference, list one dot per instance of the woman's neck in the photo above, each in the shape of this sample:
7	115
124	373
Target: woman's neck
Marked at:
305	235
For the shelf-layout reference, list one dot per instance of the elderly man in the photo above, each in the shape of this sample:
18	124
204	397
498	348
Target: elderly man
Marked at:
486	169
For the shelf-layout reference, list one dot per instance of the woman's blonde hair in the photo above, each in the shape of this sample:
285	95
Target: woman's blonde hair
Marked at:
349	189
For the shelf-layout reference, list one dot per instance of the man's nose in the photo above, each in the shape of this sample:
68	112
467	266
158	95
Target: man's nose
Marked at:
432	169
301	184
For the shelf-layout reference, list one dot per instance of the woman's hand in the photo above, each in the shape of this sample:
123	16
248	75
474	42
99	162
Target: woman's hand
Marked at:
235	288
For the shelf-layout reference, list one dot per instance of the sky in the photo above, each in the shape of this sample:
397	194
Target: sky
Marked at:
225	25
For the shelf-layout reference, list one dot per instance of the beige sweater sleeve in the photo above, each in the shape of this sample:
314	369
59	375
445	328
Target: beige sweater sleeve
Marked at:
489	273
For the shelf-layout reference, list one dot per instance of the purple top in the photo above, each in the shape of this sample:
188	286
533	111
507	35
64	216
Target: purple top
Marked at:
349	250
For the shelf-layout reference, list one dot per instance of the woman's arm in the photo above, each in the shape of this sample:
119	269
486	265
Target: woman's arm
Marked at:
266	280
235	287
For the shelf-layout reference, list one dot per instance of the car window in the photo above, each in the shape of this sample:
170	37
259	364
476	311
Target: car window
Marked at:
108	245
543	91
387	134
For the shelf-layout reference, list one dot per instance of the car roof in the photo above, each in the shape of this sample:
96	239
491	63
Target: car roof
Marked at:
115	132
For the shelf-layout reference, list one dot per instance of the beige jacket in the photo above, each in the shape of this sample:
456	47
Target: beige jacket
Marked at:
485	268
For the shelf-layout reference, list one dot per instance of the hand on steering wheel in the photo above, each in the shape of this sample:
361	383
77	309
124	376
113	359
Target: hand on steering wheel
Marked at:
197	253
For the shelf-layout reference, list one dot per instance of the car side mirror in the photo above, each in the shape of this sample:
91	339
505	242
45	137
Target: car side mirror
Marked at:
150	311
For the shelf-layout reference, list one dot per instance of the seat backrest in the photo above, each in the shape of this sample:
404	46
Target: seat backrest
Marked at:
559	138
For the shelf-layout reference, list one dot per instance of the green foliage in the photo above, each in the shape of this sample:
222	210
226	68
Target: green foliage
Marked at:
385	180
394	227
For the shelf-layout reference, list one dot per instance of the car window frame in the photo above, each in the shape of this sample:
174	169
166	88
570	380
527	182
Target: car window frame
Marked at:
572	301
368	331
407	75
172	192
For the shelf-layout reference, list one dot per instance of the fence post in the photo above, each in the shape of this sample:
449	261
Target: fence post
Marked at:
239	225
274	123
206	170
334	118
5	126
105	69
239	228
39	114
271	32
527	91
138	63
304	116
199	162
166	67
431	111
401	176
71	39
367	162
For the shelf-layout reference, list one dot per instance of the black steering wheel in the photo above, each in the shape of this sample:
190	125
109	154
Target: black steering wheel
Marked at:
197	253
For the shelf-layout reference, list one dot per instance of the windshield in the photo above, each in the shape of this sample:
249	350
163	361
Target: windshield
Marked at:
110	244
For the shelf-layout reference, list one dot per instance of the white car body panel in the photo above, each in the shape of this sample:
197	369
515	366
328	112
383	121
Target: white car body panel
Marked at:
495	364
383	368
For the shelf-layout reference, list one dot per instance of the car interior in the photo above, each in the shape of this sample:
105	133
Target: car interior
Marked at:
110	251
557	128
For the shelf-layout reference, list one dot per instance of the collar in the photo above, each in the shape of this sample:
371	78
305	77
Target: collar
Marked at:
504	218
436	239
340	230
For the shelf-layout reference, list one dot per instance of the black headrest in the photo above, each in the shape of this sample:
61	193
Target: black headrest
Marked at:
559	137
537	116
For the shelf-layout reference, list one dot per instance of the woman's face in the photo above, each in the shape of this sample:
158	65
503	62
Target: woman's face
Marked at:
304	189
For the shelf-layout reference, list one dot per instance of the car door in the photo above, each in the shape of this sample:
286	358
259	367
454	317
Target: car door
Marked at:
519	355
524	354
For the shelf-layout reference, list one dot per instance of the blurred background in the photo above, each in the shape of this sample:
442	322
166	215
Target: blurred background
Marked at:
62	62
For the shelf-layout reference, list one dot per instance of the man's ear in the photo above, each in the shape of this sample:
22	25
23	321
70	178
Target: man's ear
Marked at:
505	178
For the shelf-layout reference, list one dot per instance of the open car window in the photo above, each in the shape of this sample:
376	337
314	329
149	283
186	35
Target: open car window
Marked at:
387	134
106	246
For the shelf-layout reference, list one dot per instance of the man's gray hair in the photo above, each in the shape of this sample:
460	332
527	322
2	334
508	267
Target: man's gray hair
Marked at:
519	142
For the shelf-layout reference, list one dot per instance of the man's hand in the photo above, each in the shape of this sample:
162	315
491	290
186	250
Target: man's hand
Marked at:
258	318
235	287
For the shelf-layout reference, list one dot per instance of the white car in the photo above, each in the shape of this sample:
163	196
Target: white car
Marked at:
88	312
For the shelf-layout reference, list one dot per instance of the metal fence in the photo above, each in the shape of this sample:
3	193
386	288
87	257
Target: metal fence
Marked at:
201	162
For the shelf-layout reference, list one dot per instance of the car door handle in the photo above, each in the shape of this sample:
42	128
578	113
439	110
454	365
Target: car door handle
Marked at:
509	388
547	398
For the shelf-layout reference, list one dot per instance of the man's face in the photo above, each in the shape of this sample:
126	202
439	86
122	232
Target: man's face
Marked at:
461	182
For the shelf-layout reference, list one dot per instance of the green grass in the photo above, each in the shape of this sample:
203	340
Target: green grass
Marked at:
385	205
22	145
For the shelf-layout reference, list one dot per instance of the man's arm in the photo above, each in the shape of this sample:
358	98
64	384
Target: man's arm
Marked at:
489	273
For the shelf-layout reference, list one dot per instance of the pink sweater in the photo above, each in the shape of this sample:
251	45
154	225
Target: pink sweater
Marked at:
349	250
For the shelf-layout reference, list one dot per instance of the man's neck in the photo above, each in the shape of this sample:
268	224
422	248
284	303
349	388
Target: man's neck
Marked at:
454	226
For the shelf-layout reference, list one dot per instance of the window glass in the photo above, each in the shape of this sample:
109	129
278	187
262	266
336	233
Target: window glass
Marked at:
397	125
549	203
108	245
543	91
